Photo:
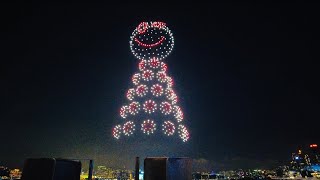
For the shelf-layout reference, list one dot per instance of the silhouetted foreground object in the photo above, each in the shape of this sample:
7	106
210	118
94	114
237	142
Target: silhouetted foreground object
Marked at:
137	167
51	169
159	168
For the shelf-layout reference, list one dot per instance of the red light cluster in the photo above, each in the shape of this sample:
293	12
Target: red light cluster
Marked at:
150	45
158	24
142	27
313	145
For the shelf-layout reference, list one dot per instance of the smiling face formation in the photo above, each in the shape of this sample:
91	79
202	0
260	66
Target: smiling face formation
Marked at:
151	39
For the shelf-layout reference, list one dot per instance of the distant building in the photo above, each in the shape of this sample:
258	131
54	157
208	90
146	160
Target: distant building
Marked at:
106	173
314	154
306	162
4	171
15	173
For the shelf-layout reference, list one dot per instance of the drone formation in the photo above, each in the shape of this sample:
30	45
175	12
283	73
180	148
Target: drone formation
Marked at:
152	103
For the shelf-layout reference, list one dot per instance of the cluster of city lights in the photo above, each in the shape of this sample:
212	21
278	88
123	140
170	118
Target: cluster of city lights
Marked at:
165	108
116	131
128	128
156	90
168	128
148	127
149	106
151	39
183	133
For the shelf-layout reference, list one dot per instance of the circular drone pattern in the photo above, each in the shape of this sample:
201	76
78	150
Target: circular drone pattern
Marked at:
130	94
136	79
142	65
165	108
128	128
147	75
134	108
183	133
157	90
168	128
124	111
141	90
148	127
116	132
151	39
149	106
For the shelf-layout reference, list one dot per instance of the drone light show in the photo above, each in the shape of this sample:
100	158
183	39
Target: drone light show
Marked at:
151	99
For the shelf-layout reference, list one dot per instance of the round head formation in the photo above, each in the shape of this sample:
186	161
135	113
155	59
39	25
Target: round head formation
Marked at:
151	40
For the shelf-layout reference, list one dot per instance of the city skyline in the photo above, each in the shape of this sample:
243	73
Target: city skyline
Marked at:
246	76
308	156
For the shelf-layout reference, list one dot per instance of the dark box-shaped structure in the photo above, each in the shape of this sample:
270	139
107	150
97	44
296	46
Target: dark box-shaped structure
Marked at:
165	168
51	169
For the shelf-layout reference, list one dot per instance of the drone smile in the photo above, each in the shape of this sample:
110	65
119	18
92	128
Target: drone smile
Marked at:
150	45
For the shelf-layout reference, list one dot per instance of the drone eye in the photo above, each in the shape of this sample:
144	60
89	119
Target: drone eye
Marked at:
142	27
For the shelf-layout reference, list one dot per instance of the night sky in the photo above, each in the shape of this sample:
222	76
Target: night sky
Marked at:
247	76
